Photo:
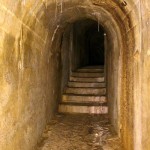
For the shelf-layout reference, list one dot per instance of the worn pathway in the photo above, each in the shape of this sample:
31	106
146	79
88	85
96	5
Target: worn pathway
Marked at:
79	132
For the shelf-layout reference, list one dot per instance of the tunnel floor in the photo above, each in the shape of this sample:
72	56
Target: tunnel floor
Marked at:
79	132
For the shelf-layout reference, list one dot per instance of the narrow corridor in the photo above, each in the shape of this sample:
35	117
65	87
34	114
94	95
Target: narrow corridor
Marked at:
79	132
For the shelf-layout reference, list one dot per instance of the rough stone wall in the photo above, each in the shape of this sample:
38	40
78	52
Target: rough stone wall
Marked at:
133	99
29	75
113	75
65	56
145	73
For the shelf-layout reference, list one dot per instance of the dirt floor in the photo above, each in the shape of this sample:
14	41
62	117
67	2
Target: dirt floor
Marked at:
79	132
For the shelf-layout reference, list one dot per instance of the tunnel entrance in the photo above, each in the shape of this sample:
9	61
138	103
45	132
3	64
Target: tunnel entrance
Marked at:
85	88
88	44
94	37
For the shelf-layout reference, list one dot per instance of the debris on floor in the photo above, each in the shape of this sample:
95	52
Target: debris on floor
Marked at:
79	132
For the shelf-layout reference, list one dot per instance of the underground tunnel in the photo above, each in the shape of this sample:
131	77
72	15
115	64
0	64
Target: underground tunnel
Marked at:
74	74
88	39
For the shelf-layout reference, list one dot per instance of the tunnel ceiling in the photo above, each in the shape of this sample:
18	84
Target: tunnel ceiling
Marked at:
110	14
60	14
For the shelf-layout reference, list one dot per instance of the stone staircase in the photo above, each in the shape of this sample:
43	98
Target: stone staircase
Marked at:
86	92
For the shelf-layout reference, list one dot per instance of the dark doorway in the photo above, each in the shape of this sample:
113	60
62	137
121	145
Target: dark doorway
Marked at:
88	44
95	45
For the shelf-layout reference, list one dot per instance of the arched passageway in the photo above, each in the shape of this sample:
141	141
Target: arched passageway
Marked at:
44	42
95	45
88	39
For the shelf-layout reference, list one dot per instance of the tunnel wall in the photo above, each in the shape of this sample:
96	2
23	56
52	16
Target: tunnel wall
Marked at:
66	56
145	73
113	77
137	69
29	75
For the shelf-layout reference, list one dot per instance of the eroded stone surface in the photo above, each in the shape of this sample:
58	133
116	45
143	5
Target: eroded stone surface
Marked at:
83	98
79	132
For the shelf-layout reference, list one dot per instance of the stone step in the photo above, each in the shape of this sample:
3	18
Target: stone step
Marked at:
85	74
86	91
94	67
86	84
86	70
79	79
88	109
83	99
